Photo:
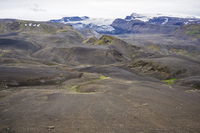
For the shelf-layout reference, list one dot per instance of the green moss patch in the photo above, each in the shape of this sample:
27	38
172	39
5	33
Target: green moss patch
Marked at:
193	30
61	30
105	40
74	88
1	28
91	40
101	78
170	81
154	47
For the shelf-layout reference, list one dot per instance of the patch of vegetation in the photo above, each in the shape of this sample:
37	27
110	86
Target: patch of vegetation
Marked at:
105	40
59	41
49	63
83	89
1	53
165	69
101	78
34	27
35	44
29	54
184	52
3	85
61	30
48	29
79	34
170	81
140	63
74	88
193	31
1	29
133	55
154	47
91	40
145	67
25	26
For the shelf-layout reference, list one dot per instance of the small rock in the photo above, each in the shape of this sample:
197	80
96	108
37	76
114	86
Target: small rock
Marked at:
145	104
42	81
50	127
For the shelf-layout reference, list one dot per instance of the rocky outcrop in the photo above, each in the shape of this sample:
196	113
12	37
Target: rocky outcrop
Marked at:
165	67
193	82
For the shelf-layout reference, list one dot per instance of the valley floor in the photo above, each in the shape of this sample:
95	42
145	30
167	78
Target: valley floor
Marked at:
117	102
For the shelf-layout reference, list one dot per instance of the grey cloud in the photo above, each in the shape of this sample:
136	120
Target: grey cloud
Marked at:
36	8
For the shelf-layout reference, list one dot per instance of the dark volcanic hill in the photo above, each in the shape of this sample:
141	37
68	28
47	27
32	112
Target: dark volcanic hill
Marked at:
55	79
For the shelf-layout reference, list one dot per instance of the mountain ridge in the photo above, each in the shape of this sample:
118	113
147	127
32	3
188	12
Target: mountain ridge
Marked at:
100	25
135	23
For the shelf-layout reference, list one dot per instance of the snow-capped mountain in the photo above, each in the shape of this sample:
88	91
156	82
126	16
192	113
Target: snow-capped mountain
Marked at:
141	17
70	19
160	19
135	23
98	24
151	23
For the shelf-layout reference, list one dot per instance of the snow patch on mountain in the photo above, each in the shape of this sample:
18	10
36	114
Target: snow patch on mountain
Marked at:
142	17
166	20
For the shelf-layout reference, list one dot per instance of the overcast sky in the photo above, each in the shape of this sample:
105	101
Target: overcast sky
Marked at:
43	10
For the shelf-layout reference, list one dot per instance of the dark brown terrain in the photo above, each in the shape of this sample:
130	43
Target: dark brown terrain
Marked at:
54	79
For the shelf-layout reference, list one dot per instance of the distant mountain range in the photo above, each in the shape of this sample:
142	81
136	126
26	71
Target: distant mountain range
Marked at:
160	19
100	25
135	23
